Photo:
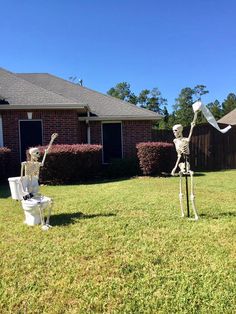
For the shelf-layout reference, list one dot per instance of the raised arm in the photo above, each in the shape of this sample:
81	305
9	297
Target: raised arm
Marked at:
193	123
54	135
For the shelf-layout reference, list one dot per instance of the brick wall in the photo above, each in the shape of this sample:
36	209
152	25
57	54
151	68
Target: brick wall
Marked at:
70	130
82	132
63	122
135	132
95	132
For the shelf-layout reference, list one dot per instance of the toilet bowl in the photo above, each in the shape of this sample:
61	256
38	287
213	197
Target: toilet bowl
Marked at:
33	207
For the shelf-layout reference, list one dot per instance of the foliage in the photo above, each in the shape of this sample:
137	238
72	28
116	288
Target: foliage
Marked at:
154	157
118	168
229	103
183	111
216	109
152	100
70	163
4	162
122	247
122	91
148	99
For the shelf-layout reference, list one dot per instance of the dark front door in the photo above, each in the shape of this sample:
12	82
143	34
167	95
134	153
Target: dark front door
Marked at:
30	136
112	146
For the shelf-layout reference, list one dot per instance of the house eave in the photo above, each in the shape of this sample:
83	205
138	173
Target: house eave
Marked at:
120	118
45	107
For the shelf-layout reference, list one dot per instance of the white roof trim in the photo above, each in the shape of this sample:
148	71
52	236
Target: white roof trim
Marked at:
121	118
46	106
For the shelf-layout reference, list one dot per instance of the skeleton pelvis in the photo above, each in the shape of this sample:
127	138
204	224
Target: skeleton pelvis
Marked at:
183	168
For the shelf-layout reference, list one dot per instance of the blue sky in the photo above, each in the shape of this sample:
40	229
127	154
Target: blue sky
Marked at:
169	44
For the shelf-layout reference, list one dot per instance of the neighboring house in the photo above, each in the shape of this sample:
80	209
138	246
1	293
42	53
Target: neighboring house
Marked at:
229	118
33	106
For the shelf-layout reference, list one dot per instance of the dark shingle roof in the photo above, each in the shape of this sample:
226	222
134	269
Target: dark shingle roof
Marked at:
17	91
229	118
103	106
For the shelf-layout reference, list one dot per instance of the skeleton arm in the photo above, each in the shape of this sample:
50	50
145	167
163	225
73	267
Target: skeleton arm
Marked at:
54	135
22	169
177	162
193	123
23	164
176	165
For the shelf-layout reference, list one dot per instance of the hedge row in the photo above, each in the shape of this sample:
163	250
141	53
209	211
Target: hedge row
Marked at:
154	157
71	163
4	162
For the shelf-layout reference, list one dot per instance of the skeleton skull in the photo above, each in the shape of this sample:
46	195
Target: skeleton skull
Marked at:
178	130
34	153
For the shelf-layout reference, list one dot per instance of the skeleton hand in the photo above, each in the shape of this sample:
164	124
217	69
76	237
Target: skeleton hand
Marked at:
173	172
54	136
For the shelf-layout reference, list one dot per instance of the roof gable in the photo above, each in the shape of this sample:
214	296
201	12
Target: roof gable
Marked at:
101	105
17	91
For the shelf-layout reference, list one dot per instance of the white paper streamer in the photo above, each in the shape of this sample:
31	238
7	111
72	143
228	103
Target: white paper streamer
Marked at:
198	105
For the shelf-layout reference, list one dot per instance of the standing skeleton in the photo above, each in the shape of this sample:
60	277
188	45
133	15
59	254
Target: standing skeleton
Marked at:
183	151
30	171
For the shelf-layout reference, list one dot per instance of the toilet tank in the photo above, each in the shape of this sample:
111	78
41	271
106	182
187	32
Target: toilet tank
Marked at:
19	186
14	184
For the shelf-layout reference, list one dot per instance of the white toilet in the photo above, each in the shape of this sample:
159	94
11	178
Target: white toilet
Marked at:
33	207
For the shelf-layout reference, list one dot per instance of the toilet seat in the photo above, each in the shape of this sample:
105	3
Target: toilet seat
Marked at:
32	202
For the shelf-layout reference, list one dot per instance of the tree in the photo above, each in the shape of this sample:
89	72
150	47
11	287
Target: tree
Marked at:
200	90
183	107
164	122
122	91
216	109
151	99
229	103
183	111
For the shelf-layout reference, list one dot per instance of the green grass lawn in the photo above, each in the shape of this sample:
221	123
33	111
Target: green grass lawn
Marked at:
122	247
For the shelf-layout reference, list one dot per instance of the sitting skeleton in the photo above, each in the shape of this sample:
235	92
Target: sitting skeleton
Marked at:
183	151
30	170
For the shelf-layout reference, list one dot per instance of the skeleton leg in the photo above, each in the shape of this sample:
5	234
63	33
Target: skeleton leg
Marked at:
181	194
192	196
41	213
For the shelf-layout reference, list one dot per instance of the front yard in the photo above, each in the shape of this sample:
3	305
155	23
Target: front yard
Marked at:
122	247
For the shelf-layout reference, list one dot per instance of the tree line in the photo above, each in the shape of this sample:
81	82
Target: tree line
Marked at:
182	109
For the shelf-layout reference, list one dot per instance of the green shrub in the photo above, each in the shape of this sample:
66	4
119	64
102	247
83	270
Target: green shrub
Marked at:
155	157
71	163
127	167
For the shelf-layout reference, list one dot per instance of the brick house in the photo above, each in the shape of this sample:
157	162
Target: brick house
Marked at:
33	106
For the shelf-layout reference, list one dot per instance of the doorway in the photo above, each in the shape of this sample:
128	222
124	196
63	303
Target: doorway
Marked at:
30	135
112	141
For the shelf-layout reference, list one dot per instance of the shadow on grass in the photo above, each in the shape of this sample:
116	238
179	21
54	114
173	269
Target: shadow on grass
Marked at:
218	216
85	182
71	218
4	191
